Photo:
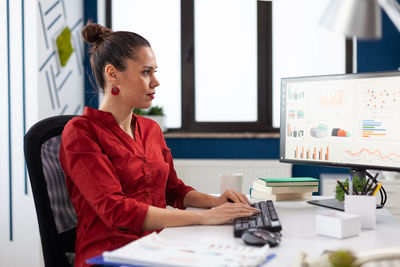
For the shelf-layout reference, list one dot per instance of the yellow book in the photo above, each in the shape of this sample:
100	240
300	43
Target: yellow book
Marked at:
284	189
254	193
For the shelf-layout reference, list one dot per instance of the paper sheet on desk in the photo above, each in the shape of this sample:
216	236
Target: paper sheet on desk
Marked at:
152	250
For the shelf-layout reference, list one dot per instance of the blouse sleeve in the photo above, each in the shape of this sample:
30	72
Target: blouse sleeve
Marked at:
176	189
94	176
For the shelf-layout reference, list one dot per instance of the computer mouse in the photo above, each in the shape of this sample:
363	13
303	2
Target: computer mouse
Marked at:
260	237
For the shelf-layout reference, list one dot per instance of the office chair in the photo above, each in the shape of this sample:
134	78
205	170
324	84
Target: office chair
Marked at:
56	216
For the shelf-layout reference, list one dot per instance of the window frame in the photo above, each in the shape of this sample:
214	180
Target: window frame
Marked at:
264	90
264	73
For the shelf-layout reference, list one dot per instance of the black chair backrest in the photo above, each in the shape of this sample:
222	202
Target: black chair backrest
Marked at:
56	216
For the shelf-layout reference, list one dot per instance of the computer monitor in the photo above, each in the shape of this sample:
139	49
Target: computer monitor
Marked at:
350	120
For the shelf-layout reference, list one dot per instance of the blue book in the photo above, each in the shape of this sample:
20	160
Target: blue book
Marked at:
100	260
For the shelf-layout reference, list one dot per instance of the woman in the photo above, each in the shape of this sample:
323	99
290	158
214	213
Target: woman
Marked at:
119	171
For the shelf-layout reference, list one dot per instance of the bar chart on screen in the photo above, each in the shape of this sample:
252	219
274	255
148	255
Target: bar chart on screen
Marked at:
312	153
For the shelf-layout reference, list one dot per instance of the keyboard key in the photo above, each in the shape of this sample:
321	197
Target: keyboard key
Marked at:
266	219
260	221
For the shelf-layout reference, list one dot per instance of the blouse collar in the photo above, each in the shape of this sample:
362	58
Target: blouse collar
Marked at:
103	115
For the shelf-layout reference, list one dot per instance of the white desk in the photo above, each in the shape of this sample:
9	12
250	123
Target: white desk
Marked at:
298	233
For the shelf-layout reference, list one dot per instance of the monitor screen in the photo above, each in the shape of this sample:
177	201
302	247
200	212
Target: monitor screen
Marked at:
350	120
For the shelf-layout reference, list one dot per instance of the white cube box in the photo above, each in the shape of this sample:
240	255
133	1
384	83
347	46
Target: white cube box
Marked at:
338	224
364	206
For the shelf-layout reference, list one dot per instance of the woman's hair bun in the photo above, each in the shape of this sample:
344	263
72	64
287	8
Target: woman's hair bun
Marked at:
93	33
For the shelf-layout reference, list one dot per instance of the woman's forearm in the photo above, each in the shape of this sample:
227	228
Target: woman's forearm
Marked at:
159	218
199	200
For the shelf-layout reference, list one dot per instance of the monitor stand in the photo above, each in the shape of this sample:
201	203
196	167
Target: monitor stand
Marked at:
333	203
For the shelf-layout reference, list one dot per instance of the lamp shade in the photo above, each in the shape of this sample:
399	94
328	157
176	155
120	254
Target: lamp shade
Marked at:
359	18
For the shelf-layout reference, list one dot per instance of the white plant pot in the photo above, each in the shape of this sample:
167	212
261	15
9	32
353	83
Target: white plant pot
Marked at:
160	120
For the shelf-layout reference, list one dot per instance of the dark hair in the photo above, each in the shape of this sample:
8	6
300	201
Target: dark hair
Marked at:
110	47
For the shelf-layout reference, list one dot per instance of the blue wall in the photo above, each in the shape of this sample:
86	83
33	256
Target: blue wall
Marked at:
91	93
380	55
221	148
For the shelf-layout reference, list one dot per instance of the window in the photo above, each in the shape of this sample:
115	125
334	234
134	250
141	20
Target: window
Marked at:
159	22
243	64
220	61
225	61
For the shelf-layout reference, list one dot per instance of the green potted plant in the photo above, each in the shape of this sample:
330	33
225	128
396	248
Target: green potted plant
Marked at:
156	113
357	185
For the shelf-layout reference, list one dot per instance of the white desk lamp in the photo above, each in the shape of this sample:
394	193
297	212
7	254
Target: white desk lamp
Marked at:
360	18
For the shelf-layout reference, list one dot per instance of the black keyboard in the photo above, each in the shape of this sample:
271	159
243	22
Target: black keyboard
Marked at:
267	219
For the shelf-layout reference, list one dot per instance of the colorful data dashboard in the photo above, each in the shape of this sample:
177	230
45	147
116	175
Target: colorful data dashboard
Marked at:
350	120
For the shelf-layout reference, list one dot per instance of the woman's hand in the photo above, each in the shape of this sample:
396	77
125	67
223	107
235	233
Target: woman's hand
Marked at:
232	196
226	212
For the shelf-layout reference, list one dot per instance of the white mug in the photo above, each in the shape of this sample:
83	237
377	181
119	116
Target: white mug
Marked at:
231	181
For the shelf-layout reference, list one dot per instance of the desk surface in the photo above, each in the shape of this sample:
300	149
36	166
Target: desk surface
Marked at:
298	233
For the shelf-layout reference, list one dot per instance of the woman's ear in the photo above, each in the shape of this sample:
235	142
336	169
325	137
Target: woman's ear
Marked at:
111	74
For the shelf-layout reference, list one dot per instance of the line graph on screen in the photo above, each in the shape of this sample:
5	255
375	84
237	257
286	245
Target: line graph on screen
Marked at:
377	152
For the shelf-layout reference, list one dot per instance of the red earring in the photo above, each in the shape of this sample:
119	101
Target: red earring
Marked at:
115	90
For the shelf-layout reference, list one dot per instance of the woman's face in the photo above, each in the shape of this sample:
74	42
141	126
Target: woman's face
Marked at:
137	83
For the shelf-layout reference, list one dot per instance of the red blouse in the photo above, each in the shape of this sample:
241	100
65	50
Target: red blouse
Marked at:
112	179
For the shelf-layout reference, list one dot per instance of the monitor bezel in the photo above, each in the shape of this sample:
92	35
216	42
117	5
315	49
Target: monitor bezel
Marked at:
353	76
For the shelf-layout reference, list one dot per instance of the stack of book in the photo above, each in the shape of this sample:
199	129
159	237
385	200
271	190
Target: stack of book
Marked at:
283	188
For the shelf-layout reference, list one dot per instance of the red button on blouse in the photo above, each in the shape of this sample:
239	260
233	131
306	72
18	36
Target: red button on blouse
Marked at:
112	179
